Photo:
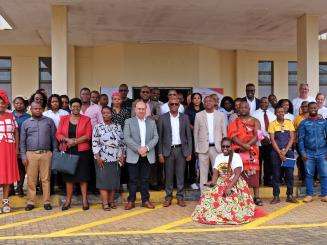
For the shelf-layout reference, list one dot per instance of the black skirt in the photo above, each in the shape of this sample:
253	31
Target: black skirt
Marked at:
108	177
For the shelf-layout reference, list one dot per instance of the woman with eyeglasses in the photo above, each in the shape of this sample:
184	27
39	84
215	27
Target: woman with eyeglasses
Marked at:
227	198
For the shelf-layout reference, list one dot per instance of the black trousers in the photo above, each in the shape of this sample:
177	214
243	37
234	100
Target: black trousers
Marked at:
265	162
139	172
289	177
22	173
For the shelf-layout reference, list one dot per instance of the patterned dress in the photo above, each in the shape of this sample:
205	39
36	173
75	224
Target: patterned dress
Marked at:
236	208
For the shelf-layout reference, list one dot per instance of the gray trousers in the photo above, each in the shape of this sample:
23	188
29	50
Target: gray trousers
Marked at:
175	165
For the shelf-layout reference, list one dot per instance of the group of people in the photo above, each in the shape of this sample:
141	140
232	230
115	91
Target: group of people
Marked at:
229	146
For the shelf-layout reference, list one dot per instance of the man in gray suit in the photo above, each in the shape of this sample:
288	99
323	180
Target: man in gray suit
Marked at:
175	148
141	137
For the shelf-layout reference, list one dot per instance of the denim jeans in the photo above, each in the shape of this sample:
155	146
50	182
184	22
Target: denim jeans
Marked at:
319	160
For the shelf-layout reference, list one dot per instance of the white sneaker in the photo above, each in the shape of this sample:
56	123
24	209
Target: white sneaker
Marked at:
6	207
194	186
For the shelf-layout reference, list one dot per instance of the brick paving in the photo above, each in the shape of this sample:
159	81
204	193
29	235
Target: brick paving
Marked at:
315	212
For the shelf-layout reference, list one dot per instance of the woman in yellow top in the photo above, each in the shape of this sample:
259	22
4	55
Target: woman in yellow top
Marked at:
282	137
303	114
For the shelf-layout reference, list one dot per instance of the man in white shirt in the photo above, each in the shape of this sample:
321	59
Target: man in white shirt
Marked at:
265	116
165	107
209	130
322	109
141	137
253	102
54	112
174	149
303	96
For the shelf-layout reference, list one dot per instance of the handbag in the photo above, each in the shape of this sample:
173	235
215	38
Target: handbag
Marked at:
289	163
64	162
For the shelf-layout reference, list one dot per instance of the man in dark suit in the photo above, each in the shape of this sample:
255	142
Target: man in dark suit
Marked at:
175	148
253	102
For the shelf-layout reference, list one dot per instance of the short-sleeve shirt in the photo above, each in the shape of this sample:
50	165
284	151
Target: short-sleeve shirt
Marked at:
8	125
275	126
222	159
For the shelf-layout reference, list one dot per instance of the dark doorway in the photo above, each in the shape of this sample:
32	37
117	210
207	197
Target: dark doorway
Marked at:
164	92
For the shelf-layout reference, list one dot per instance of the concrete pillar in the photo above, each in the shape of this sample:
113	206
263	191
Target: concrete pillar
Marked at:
308	52
59	49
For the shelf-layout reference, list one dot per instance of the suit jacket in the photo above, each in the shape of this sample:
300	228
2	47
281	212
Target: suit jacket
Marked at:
165	134
154	107
201	131
132	139
257	103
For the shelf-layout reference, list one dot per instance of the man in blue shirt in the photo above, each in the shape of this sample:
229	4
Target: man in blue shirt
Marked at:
312	139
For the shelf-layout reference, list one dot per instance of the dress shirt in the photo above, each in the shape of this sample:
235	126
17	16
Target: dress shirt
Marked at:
142	127
297	104
252	105
323	112
165	108
37	134
289	116
55	116
21	118
259	114
210	117
94	113
175	138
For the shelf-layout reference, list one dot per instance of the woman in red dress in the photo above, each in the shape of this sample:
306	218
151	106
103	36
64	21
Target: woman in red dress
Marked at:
8	150
244	133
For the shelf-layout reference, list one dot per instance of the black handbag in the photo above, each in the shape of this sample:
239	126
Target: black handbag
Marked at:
64	162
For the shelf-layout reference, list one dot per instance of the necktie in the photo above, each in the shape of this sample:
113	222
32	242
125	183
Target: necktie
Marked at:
265	118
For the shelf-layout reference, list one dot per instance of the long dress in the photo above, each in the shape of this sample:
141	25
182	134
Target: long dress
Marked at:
214	208
244	130
9	172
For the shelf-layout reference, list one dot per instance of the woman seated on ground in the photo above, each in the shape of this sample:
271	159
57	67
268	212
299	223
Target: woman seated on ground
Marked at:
227	200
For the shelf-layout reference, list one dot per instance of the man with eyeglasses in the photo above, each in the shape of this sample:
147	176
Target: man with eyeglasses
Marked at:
254	103
165	107
127	102
209	130
152	107
175	148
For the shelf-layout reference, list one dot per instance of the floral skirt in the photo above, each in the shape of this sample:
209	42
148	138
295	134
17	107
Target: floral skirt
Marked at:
213	208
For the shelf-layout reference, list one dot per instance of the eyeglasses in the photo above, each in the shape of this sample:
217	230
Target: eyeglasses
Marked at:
225	146
145	92
173	104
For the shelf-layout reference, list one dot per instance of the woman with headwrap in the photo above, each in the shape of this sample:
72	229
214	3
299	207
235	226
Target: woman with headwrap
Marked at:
9	135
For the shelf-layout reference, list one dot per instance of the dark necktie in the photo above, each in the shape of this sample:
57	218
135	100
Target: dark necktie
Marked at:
265	118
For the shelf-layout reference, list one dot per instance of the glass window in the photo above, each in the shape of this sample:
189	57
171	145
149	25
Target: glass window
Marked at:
292	80
45	74
266	77
5	75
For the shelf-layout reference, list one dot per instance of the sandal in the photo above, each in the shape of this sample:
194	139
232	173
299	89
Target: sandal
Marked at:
5	206
113	205
106	207
66	206
258	201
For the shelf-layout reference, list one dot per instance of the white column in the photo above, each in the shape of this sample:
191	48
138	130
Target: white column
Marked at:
308	52
59	49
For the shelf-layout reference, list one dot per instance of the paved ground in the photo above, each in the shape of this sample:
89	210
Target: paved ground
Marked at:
285	224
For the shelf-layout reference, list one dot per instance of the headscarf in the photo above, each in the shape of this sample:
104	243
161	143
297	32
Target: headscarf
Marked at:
4	97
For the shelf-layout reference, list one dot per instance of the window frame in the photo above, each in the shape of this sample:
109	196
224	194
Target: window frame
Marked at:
8	69
271	73
41	69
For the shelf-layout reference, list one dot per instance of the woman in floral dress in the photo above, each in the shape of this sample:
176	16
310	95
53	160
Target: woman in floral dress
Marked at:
227	198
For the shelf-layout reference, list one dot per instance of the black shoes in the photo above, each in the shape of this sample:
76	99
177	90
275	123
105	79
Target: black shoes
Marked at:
29	207
47	206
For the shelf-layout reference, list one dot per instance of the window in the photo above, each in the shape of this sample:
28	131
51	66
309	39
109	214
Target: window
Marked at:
266	78
45	74
5	75
323	77
292	80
